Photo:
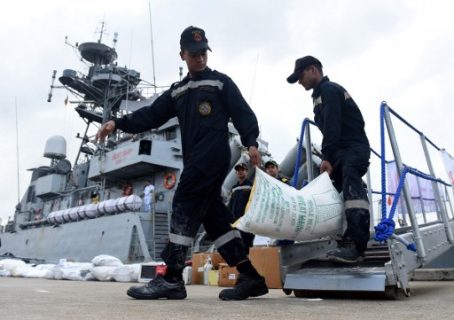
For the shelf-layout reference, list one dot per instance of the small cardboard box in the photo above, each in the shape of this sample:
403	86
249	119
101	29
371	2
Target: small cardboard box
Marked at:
199	260
267	262
227	275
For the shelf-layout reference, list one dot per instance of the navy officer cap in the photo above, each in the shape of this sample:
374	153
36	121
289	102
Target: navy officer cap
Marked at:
300	65
241	165
193	39
271	162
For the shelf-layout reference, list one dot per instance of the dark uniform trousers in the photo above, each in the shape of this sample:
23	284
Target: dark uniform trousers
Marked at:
194	205
346	147
351	164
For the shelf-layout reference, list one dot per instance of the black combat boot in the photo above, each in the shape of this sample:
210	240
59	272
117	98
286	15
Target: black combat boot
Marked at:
345	254
159	288
245	287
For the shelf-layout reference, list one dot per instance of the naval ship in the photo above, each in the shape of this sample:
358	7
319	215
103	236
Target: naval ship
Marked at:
94	205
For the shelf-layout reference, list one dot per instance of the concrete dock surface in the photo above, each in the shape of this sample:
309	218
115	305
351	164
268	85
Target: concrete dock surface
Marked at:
22	298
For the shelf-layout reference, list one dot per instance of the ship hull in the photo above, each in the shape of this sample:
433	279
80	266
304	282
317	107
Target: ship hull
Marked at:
120	235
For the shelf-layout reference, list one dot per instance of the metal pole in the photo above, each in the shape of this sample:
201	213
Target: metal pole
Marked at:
308	146
392	137
448	198
371	202
444	215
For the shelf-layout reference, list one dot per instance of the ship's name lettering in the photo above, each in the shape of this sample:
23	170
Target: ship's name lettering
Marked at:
118	156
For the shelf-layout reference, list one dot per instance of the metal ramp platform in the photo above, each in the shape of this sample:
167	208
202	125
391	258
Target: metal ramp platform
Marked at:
385	271
320	277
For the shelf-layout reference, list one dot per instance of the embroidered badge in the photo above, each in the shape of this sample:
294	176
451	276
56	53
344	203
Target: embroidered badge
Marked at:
204	108
197	36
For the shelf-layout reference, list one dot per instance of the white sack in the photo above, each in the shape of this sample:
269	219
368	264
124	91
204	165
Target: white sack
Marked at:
106	260
280	211
13	266
126	273
72	270
40	271
103	273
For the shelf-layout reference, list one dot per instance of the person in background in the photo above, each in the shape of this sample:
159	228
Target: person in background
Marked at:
94	196
345	152
148	191
204	101
272	168
238	199
127	189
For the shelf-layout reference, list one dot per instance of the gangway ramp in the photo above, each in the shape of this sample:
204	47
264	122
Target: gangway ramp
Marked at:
396	250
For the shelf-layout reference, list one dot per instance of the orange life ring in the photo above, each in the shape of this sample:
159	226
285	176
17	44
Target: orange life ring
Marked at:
169	180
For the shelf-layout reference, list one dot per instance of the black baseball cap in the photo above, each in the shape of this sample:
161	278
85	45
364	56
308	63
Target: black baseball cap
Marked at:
271	162
241	165
300	65
193	39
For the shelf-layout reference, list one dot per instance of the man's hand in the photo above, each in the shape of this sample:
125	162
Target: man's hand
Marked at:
326	166
254	156
106	129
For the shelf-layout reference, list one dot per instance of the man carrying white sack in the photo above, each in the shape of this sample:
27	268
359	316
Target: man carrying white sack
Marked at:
345	152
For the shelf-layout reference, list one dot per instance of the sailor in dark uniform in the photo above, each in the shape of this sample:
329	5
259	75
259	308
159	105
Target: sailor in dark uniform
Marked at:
272	168
203	102
345	152
238	200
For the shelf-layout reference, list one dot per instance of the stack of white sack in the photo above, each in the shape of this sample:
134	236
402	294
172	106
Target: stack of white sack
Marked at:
12	268
102	268
280	211
108	268
18	268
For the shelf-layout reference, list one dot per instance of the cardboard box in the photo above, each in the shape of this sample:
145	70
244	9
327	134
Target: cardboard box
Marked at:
267	262
199	260
227	275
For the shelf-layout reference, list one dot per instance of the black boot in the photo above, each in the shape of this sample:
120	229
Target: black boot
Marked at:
345	254
159	288
245	287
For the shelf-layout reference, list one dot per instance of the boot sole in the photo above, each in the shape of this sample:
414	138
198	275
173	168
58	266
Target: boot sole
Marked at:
256	293
345	261
175	296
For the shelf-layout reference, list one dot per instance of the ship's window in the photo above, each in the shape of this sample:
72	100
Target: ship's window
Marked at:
145	147
171	133
31	194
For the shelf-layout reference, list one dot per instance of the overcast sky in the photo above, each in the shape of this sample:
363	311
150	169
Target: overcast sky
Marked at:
393	50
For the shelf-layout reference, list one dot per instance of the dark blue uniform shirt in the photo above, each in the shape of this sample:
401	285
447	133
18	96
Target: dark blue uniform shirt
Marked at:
338	118
203	104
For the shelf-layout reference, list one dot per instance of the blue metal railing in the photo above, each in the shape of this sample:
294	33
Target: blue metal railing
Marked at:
305	123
